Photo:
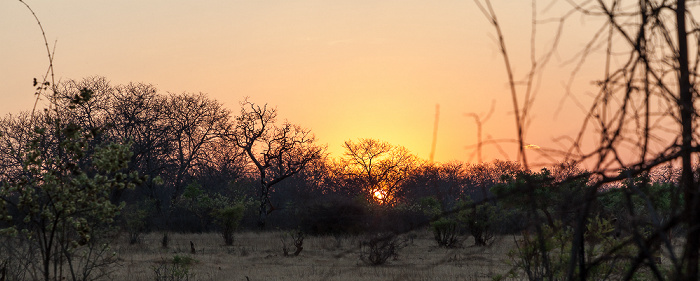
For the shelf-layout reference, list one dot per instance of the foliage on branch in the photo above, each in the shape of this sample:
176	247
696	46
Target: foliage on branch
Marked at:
479	219
61	202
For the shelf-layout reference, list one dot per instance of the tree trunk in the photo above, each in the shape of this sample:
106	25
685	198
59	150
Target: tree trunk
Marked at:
690	255
264	197
262	212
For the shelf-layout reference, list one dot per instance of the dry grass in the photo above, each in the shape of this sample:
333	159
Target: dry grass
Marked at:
259	256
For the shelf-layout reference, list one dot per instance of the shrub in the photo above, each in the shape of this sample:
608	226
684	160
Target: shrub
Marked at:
61	204
134	221
177	269
429	206
228	218
377	249
445	232
479	220
164	241
547	255
297	239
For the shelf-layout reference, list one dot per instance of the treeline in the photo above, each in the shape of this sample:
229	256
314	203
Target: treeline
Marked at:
191	150
107	160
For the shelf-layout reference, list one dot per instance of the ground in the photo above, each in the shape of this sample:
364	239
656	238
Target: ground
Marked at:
259	256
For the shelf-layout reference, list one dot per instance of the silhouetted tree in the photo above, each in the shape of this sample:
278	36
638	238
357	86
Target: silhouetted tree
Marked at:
378	167
642	116
138	113
15	133
60	204
445	182
196	122
175	137
277	152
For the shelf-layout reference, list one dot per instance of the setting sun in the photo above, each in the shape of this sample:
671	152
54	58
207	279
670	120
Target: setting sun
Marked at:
380	195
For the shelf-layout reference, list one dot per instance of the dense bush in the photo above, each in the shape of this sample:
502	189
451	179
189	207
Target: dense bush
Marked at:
445	232
228	218
479	220
547	255
134	221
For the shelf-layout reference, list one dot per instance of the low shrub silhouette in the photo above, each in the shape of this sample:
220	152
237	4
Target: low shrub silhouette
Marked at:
479	220
228	219
377	249
177	269
445	232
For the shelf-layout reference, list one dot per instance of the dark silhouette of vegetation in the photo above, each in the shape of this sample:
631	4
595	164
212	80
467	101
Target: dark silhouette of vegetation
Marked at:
377	168
60	204
278	152
378	248
445	232
479	220
101	153
228	218
642	117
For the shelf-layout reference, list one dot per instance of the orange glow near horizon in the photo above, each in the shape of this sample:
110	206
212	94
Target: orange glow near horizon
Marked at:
345	70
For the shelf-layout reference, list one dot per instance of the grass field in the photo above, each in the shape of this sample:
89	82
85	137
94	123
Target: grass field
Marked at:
259	256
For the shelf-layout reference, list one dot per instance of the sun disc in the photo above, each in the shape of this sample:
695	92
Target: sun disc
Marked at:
379	195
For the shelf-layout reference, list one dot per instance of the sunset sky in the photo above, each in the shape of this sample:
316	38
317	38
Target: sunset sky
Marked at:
344	69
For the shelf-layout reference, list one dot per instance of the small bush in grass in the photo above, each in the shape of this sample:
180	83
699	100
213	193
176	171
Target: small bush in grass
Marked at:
444	228
244	252
297	239
164	241
377	249
228	218
177	269
445	232
134	220
479	220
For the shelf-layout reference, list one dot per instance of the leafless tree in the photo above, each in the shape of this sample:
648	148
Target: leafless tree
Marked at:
379	167
15	133
276	151
643	114
137	113
195	122
91	114
480	120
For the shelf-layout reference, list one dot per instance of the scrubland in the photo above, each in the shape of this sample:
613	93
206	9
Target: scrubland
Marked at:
259	256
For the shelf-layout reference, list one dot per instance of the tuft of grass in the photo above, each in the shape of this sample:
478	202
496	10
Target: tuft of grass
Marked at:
179	268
